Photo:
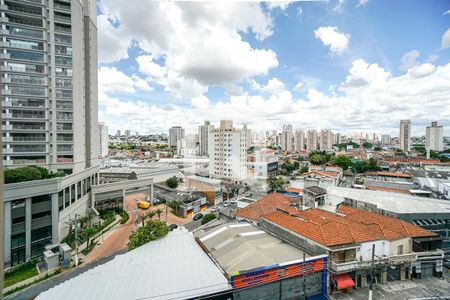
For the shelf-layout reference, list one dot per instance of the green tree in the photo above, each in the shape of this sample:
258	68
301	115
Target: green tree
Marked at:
208	218
153	230
341	161
399	152
318	159
288	167
159	211
22	174
172	182
142	218
304	169
151	214
87	233
276	183
377	148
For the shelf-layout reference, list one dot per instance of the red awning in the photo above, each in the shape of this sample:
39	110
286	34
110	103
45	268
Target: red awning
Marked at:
344	281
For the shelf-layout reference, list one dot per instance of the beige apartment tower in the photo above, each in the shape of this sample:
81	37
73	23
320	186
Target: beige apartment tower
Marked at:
405	135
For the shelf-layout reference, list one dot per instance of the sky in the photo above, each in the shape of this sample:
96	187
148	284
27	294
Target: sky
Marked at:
348	65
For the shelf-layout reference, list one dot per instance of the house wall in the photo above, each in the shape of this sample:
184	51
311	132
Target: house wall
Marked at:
407	246
365	251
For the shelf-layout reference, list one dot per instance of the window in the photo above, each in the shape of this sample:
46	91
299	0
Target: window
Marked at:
29	45
66	197
63	50
64	115
72	193
61	60
63	94
63	126
28	91
17	31
60	200
27	102
63	72
61	82
64	104
15	78
31	56
62	148
400	250
63	38
17	67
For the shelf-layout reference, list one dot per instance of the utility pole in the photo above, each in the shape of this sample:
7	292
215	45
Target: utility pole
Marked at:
304	277
2	207
372	273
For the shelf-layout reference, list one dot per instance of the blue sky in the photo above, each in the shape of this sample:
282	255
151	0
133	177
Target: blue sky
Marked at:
344	65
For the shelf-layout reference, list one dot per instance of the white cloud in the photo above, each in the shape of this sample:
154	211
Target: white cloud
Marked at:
192	45
362	3
299	87
339	5
111	47
273	86
330	36
445	42
278	4
409	60
111	80
369	98
446	13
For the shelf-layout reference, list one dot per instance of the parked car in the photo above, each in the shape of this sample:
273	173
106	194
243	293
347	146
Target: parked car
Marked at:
234	201
248	194
214	209
143	204
156	201
226	203
173	226
197	217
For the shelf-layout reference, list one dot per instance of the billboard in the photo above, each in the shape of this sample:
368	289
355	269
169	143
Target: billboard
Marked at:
276	272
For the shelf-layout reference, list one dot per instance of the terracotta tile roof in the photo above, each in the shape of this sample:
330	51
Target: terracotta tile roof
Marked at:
353	226
377	188
390	174
265	205
294	190
385	222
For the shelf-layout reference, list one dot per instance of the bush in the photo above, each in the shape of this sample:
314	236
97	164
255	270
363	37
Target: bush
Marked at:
124	216
29	173
208	218
20	273
172	182
151	231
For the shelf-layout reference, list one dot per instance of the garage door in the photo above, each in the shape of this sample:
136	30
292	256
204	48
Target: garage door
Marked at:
427	270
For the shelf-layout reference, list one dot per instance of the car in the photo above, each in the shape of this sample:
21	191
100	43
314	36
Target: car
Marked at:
234	201
214	209
225	204
143	204
173	226
156	201
197	217
248	194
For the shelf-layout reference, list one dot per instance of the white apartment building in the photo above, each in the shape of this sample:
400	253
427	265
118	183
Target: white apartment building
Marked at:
187	146
385	139
405	135
299	141
262	164
326	139
48	65
228	152
286	138
176	133
103	140
311	140
203	134
434	137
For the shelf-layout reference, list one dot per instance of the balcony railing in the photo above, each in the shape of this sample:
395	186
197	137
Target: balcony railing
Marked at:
28	161
407	257
355	265
64	160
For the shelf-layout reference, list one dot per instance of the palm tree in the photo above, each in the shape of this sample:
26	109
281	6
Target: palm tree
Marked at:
90	214
159	211
142	218
151	214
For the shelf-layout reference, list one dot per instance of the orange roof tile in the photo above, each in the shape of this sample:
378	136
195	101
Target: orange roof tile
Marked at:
353	227
265	205
390	174
377	188
294	190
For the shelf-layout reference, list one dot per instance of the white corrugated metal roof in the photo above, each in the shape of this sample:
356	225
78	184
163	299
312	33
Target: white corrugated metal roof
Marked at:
174	267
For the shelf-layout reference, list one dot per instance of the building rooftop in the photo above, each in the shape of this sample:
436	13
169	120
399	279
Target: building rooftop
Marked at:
265	205
390	174
243	247
393	202
205	179
174	267
349	227
315	190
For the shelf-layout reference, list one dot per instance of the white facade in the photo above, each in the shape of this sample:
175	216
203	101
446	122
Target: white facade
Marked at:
127	133
227	152
311	140
385	139
286	138
176	133
103	140
434	137
299	141
405	135
326	139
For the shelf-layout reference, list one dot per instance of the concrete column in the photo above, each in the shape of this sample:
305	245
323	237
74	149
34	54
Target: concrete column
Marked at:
55	218
27	228
7	233
383	277
151	193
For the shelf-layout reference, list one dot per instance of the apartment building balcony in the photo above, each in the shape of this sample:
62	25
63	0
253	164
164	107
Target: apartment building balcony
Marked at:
22	9
63	18
27	162
39	2
64	160
61	6
6	115
7	127
343	267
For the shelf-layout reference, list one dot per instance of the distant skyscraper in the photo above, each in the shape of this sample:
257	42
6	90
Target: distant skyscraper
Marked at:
287	127
103	140
286	138
299	141
137	133
311	140
385	139
127	133
203	134
118	132
227	152
434	137
248	136
176	133
405	135
326	139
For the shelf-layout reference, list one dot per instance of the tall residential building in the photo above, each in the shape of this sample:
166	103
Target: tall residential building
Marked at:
405	135
248	135
103	140
299	141
49	105
287	127
227	152
203	134
118	132
385	139
286	138
326	139
127	133
311	140
176	133
434	137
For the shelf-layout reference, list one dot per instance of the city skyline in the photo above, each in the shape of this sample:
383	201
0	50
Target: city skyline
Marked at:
303	63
